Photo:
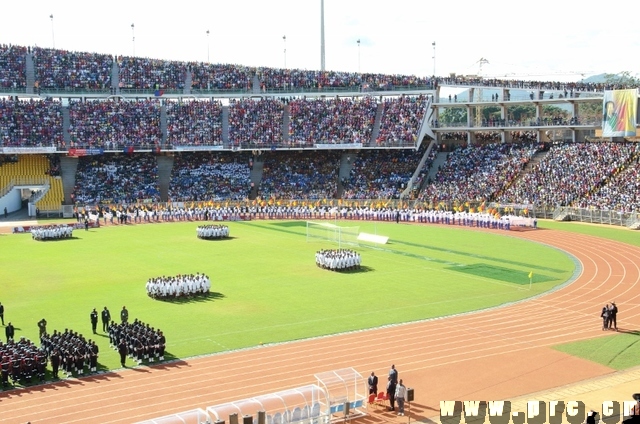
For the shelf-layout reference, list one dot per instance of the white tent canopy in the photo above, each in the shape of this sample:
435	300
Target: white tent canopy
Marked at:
343	386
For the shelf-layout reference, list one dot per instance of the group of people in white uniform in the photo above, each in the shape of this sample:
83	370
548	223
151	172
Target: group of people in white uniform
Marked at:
186	285
338	260
212	231
51	232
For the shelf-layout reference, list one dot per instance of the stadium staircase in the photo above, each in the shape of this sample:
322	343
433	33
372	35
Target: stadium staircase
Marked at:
407	191
163	124
562	214
285	124
256	84
66	122
256	175
346	164
165	165
440	160
535	159
225	124
68	169
376	125
115	77
31	73
187	83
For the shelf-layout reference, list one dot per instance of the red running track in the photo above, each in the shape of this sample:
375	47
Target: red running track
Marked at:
494	354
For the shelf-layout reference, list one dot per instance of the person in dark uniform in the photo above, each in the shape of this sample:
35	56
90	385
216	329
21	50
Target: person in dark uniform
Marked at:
55	362
86	224
605	317
391	393
122	350
42	327
10	332
124	315
372	381
2	313
93	357
613	312
106	319
94	320
5	367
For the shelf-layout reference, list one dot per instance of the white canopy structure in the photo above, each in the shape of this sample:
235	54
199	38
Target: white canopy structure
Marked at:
344	386
302	405
194	416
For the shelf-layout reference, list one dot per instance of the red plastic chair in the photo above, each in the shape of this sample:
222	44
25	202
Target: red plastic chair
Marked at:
382	399
372	400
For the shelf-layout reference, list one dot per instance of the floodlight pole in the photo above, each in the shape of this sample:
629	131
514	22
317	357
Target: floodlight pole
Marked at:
53	37
133	35
434	58
208	61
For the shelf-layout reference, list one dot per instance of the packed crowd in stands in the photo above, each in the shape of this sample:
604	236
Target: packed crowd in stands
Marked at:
210	176
54	165
116	179
51	232
30	123
194	123
21	361
255	122
334	121
144	343
381	174
13	68
91	70
300	175
338	260
527	136
421	178
298	79
478	172
115	124
210	232
62	69
206	76
139	73
180	286
401	120
620	192
569	172
71	350
454	135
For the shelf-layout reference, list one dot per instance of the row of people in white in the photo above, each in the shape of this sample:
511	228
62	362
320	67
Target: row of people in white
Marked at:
178	286
51	232
212	231
338	260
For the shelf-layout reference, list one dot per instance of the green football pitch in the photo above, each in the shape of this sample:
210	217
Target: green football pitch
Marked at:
265	286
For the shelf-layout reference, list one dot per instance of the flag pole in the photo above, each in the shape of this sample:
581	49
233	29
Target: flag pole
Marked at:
530	280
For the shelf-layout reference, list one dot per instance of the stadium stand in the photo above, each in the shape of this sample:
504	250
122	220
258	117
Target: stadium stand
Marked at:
13	67
64	70
194	123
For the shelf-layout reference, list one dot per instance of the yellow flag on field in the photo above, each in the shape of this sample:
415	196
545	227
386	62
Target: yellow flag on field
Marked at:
530	275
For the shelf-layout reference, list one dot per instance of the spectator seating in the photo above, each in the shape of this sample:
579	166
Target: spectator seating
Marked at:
65	70
13	69
478	172
401	119
210	176
194	123
30	123
120	178
255	122
569	172
222	77
115	124
334	121
138	73
300	175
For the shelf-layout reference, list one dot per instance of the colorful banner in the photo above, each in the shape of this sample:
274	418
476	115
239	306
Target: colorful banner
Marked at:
85	152
21	150
619	109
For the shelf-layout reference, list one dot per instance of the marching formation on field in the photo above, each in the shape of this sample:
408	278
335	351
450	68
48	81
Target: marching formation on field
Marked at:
212	231
178	286
71	351
51	232
338	260
21	361
138	340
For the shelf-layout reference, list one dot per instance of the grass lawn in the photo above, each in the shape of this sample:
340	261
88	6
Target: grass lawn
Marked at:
618	351
266	287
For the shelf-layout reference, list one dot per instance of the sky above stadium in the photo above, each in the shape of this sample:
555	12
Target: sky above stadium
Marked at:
545	40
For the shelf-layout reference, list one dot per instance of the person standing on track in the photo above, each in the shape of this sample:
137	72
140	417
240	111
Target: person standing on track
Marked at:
605	317
613	312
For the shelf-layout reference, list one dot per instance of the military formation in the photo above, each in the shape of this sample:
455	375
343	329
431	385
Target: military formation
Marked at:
22	362
70	352
338	260
138	340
